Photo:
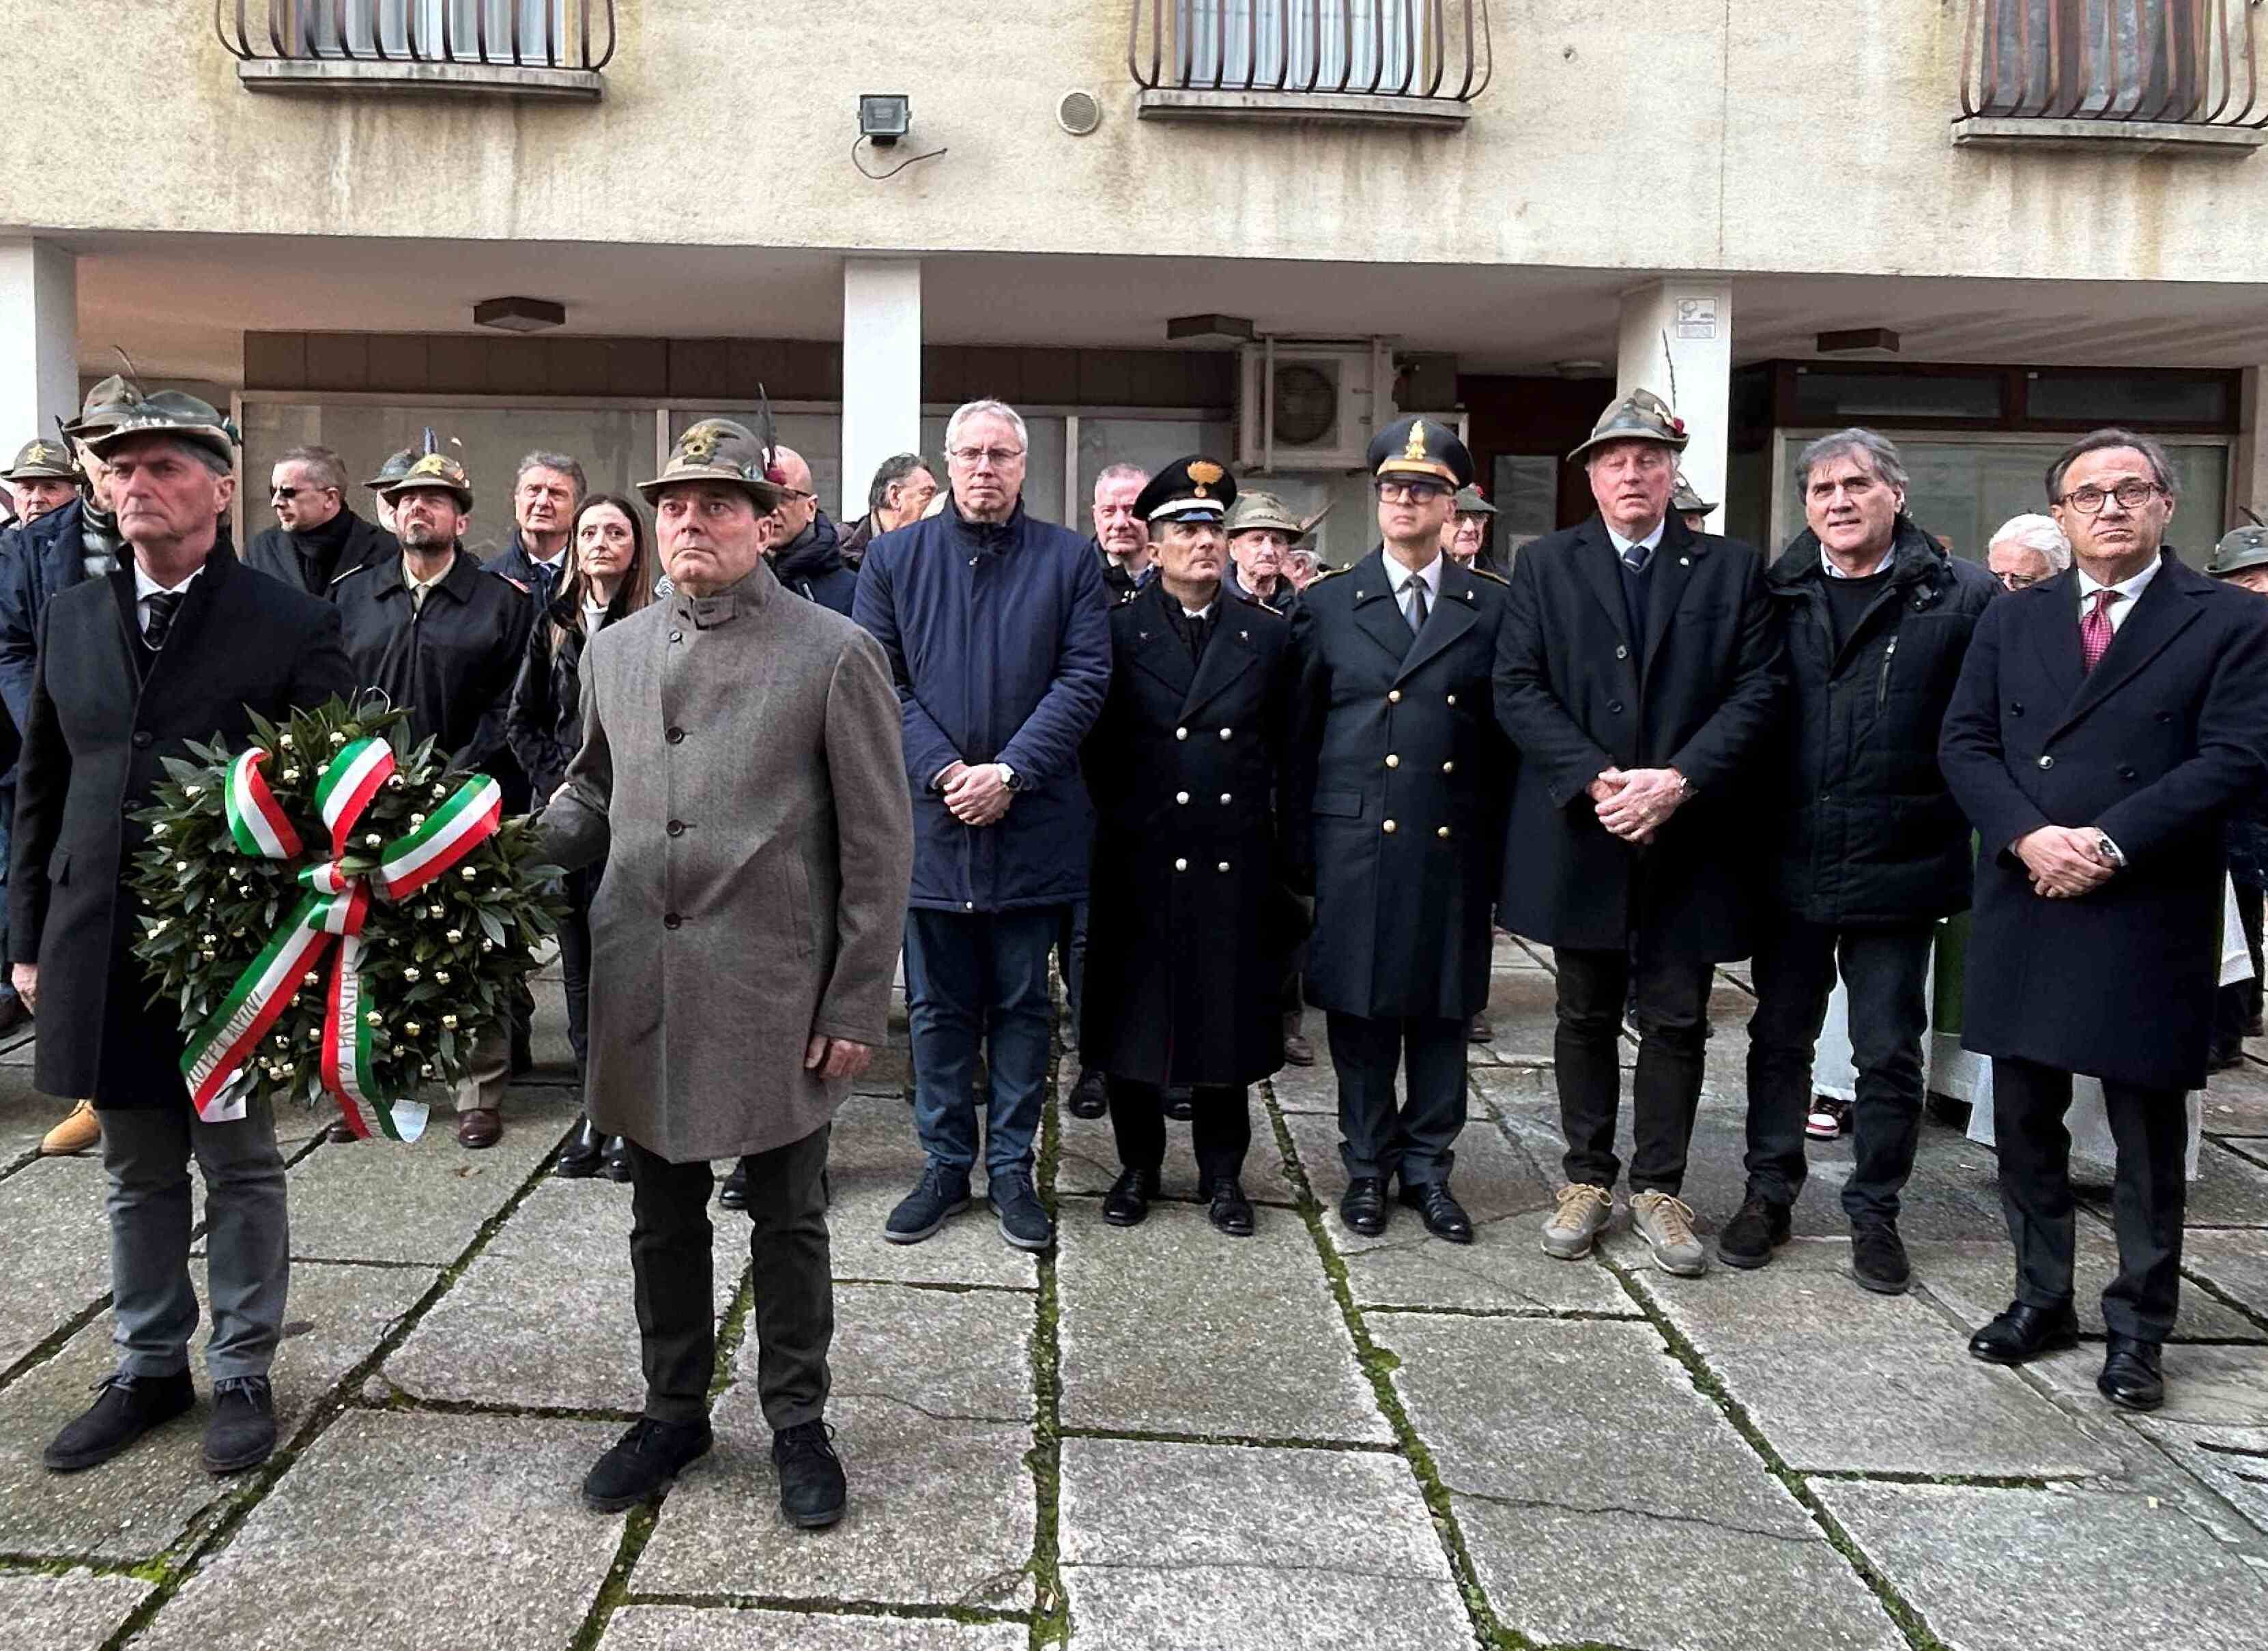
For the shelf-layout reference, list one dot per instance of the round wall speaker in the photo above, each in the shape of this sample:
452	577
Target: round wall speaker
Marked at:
1079	114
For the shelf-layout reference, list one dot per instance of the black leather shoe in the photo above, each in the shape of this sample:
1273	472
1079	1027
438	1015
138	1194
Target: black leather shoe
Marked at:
1230	1211
125	1408
733	1195
1878	1258
580	1160
615	1160
242	1431
1181	1105
1758	1227
1088	1097
1445	1218
2132	1378
1128	1201
641	1461
1362	1206
2024	1332
812	1494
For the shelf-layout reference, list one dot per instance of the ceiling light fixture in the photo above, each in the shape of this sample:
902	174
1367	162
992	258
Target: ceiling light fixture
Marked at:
1857	339
519	315
1227	329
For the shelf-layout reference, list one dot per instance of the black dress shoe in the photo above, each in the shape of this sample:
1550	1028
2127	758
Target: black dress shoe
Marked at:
125	1408
812	1494
2131	1377
1230	1211
1445	1218
580	1160
1088	1097
242	1431
1181	1105
641	1461
733	1195
615	1159
1127	1202
1362	1206
2024	1332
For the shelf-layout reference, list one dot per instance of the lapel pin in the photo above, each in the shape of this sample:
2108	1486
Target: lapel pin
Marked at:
1244	636
1685	562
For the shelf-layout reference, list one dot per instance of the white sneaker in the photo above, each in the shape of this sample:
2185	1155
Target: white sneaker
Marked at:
1584	1212
1666	1225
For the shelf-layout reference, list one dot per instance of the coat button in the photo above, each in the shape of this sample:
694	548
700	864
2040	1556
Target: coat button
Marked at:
1225	799
1622	651
2047	762
2165	716
675	736
144	739
1392	696
1393	761
1181	865
1442	832
1390	828
677	635
1452	699
1225	732
2016	708
671	920
1448	768
1180	733
1615	705
677	827
1222	867
1183	798
2126	773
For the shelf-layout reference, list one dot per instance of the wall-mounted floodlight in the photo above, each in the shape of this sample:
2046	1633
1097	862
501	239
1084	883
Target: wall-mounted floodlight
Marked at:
884	117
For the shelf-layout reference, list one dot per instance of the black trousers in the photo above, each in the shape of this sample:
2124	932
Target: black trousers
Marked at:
670	1238
1377	1135
2236	1007
575	960
1220	1126
1669	998
1887	970
2151	1128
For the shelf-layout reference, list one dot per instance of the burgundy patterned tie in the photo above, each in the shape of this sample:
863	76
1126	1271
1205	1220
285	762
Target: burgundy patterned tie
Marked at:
2094	629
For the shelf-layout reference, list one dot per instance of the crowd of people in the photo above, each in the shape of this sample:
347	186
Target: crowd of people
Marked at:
1210	783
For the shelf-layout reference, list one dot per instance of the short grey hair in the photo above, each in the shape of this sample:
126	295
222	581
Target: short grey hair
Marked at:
1121	472
2032	531
889	473
1881	454
967	410
2161	467
321	462
559	462
204	456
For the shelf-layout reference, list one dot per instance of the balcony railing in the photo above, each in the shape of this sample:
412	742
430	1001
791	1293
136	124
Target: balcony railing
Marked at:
1410	60
2117	64
516	48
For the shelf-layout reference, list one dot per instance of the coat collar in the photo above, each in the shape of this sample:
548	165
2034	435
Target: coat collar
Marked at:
1914	557
459	584
2167	607
745	595
197	604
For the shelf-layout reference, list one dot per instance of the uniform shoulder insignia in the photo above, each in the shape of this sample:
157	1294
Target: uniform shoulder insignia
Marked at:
1130	595
1493	579
1329	573
523	589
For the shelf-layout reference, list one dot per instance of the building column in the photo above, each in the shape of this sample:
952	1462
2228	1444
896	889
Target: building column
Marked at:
2248	485
39	339
881	370
1676	340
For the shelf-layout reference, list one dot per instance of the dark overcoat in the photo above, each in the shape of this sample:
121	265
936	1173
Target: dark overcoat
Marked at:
1186	926
272	552
2152	747
1701	692
1395	797
98	733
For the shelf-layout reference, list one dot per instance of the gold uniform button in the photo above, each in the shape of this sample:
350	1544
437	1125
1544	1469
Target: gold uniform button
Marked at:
1448	768
1181	865
1224	865
1393	761
1390	828
1392	696
1443	832
1180	733
1181	797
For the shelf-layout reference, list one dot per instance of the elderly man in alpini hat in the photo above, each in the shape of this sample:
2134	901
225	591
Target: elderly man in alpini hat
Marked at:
741	777
1691	508
43	478
1639	673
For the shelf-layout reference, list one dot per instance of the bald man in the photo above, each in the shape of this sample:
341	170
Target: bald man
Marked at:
805	551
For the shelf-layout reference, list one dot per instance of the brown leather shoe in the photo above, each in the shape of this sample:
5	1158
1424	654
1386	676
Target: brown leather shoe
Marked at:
479	1126
74	1134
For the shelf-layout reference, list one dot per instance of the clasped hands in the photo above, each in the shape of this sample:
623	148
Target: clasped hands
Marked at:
978	795
1632	803
2065	861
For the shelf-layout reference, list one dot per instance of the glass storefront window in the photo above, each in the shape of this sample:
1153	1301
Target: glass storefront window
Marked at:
1825	396
1151	443
2125	398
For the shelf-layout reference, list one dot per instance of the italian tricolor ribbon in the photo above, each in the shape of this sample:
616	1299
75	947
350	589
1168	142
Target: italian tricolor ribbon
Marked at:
335	906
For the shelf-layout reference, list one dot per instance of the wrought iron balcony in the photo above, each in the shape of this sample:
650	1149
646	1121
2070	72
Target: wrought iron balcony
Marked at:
521	49
1388	62
2163	73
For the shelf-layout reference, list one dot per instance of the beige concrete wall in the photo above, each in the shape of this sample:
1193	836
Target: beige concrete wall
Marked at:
1806	134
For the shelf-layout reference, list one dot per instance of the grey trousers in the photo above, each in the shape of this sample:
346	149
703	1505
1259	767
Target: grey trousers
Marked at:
146	1154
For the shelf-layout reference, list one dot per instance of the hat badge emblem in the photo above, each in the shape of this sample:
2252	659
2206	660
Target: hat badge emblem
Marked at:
1203	475
1414	447
699	442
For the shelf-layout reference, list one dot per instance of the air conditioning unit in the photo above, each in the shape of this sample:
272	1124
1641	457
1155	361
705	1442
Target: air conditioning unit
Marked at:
1311	405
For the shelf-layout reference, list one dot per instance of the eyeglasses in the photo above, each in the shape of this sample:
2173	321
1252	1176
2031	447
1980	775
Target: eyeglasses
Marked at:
2089	500
2017	581
1410	492
993	458
288	492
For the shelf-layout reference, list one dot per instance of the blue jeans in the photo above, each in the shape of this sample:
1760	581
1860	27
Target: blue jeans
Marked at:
972	978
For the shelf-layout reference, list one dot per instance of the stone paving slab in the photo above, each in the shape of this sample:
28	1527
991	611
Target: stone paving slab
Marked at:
2230	1190
52	1213
136	1505
873	1160
1171	1328
77	1612
1605	1499
2233	1461
413	1532
721	1628
1504	1269
932	1407
1520	1014
2236	1265
423	1202
1976	1281
2218	1385
2253	1148
564	1260
2063	1566
1310	1548
1906	1396
1309	1088
1087	1156
2236	1102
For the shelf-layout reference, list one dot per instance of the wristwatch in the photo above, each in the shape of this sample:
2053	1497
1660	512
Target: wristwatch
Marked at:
2109	849
1009	777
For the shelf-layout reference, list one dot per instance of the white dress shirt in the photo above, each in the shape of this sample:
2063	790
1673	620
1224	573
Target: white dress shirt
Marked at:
2129	590
1650	543
145	588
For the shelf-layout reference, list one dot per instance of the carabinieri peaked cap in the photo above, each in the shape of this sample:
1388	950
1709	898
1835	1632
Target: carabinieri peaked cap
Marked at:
1421	447
1195	489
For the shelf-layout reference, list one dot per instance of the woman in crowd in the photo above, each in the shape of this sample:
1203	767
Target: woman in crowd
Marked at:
610	574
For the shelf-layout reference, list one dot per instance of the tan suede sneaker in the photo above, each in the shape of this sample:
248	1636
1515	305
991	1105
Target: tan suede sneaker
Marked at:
1584	1212
1666	1225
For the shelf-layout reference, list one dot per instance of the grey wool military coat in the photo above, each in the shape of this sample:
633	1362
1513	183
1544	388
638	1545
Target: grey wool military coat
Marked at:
741	776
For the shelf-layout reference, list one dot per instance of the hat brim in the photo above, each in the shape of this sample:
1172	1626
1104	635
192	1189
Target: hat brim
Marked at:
1204	510
211	437
40	472
1269	524
767	495
1675	443
392	491
1432	469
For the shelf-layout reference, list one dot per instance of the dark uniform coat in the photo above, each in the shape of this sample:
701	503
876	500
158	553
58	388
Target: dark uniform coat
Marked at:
98	732
1186	930
1396	793
276	553
2153	747
1702	692
450	665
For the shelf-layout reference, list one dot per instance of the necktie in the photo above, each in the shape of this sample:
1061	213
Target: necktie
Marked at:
1637	557
544	575
1417	608
2094	629
163	604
